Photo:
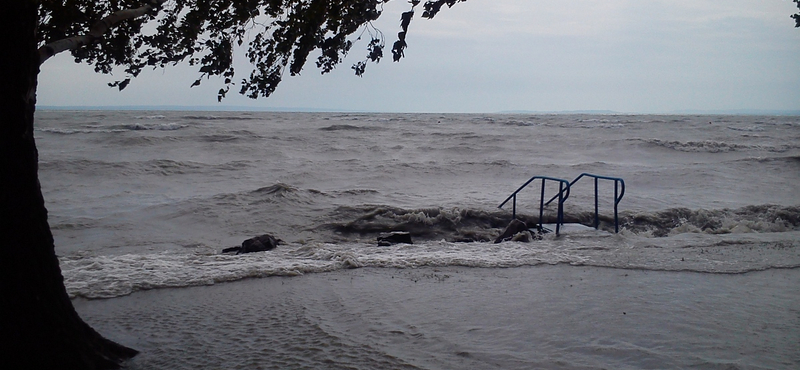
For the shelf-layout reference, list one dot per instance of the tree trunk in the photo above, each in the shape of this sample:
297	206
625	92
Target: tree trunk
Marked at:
39	327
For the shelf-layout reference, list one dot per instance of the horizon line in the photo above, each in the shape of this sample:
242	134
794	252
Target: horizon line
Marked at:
242	108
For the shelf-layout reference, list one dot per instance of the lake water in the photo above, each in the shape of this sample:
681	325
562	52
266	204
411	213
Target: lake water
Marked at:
708	244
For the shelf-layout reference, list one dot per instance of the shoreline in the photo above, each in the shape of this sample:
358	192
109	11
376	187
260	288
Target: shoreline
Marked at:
445	270
552	316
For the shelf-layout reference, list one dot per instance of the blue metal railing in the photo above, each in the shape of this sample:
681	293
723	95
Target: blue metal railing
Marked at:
619	192
563	185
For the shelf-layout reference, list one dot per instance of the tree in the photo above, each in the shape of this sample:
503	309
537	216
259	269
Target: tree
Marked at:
40	328
796	16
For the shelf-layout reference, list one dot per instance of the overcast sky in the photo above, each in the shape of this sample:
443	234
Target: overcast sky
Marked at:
643	56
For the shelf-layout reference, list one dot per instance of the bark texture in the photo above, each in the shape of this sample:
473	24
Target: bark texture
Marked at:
39	327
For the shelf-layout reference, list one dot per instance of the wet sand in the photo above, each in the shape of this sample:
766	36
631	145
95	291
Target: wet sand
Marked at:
458	318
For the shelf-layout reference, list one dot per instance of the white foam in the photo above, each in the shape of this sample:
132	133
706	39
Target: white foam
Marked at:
101	276
104	276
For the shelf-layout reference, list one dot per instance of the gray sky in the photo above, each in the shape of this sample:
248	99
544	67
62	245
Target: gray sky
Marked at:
644	56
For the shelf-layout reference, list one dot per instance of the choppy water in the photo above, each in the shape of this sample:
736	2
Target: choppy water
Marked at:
144	200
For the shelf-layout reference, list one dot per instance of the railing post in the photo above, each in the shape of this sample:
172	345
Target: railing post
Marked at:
514	208
541	208
596	206
616	202
560	216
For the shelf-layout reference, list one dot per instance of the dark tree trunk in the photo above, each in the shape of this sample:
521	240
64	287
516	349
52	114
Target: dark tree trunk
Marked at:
39	327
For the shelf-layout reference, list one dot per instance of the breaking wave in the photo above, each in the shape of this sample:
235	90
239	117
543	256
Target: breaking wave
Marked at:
750	219
456	225
473	225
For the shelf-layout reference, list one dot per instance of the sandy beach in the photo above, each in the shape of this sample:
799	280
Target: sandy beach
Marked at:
557	316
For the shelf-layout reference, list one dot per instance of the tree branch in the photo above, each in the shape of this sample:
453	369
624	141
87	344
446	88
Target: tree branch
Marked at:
96	32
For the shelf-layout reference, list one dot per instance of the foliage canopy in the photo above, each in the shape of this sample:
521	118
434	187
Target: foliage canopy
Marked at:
796	16
273	34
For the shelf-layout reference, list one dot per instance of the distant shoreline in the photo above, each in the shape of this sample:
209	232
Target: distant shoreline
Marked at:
732	112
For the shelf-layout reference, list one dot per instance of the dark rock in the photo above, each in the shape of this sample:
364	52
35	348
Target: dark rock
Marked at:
513	228
394	237
261	243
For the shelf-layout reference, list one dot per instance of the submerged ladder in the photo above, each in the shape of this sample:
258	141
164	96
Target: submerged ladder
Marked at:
564	187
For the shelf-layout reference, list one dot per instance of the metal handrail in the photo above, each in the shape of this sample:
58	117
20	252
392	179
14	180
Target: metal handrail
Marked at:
619	192
562	186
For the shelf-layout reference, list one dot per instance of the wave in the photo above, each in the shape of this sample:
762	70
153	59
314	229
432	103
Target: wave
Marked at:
344	127
311	214
85	130
711	146
526	123
358	192
739	240
491	163
754	128
112	276
470	225
151	117
787	160
750	219
216	118
456	225
605	125
351	116
171	126
101	276
137	140
284	191
510	120
114	128
162	167
220	138
277	194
